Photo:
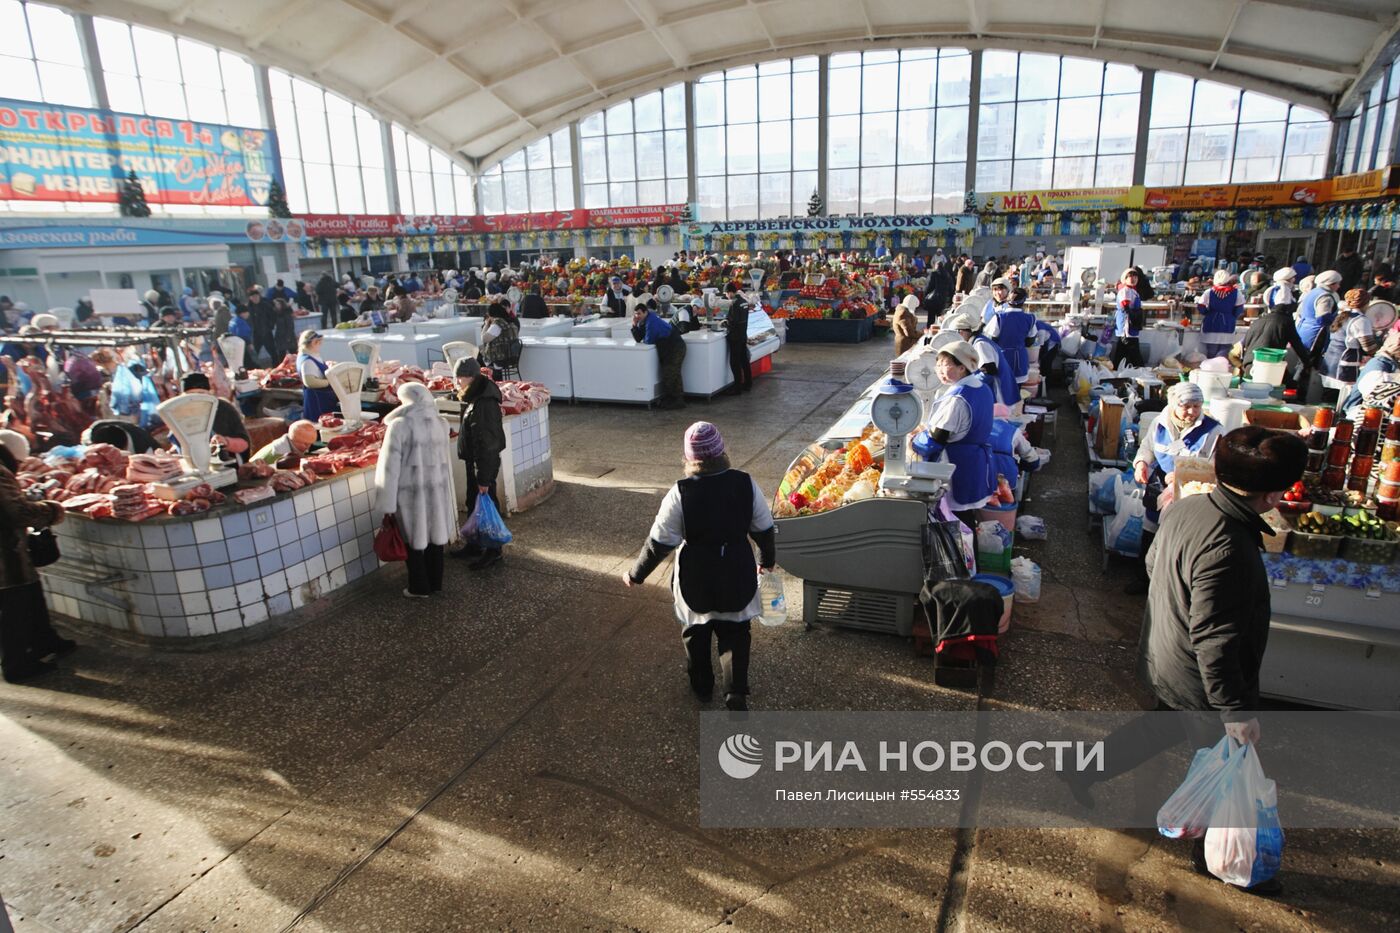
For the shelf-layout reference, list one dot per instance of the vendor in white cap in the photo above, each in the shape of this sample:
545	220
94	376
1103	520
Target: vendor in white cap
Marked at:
1000	300
1221	306
317	396
1281	294
991	362
959	430
1183	429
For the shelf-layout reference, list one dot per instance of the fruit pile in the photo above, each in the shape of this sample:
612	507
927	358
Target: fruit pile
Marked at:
1297	499
843	476
828	289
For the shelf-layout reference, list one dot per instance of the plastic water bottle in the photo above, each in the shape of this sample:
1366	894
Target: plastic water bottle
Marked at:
770	592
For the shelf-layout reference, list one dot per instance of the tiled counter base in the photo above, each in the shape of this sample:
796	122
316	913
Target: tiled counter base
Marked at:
218	572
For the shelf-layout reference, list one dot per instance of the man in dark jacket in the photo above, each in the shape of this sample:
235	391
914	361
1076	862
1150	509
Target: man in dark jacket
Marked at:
1274	329
480	439
532	306
1208	609
966	277
263	318
1348	264
326	300
736	339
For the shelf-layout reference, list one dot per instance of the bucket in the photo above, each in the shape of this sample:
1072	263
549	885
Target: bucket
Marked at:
1270	373
1213	385
1008	596
1006	514
1269	355
1229	412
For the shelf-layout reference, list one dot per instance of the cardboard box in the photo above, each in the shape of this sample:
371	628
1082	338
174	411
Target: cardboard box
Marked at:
1291	420
1190	470
1110	425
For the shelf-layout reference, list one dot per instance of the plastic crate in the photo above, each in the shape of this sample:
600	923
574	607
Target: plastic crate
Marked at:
999	564
1368	551
1313	547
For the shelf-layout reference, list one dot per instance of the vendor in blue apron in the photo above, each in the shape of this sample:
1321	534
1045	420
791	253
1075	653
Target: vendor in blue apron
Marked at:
990	360
1221	306
1013	329
1011	451
317	396
1183	429
959	430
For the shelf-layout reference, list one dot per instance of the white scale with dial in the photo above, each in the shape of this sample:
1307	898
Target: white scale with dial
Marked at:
191	419
898	411
346	380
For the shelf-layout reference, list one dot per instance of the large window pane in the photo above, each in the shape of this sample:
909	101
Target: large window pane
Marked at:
675	191
709	103
620	118
651	192
1118	131
843	142
1208	154
376	188
320	189
709	150
710	198
1114	172
648	112
1032	173
349	198
998	76
594	158
775	97
1259	108
674	105
517	192
775	146
877	139
1077	172
804	144
1166	156
675	154
1081	77
954	78
877	190
1305	154
914	189
1215	103
1039	77
843	191
741	100
563	189
743	197
948	188
803	184
541	191
622	194
775	194
952	135
651	156
743	150
595	195
879	83
804	94
995	131
994	176
1171	100
621	161
1078	130
1258	152
1035	129
916	137
844	90
918	84
559	144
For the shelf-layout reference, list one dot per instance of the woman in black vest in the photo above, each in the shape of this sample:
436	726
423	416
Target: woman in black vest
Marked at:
711	515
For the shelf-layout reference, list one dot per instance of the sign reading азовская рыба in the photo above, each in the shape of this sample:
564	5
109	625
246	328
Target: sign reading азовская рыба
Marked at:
872	224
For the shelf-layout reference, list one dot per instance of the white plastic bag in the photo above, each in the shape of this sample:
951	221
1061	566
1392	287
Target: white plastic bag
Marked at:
1244	844
773	599
992	537
1125	530
1187	812
1025	577
1102	489
1031	528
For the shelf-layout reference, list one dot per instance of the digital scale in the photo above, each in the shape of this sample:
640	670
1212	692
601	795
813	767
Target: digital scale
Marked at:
898	411
190	419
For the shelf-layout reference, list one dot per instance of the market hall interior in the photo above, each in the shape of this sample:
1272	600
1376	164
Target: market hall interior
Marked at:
519	752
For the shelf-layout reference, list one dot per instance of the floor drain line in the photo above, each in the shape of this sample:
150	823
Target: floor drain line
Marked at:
950	910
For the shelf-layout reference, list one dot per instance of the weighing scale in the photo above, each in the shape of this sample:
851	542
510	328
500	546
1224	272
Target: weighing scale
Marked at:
346	381
897	411
455	350
922	374
1382	315
366	353
514	296
191	419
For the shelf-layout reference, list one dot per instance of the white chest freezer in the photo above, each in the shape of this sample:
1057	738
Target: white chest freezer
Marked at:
548	361
614	371
706	367
546	327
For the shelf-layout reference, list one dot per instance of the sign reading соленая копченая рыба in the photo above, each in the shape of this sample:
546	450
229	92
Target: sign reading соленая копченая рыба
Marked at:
873	224
55	153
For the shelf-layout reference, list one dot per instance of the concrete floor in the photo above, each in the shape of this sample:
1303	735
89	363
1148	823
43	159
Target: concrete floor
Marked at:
519	754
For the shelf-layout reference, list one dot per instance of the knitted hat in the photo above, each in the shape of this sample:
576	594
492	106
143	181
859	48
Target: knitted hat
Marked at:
703	441
1185	393
1259	459
467	367
963	352
16	443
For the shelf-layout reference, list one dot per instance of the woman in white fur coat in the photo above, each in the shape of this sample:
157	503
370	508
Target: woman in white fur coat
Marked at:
414	479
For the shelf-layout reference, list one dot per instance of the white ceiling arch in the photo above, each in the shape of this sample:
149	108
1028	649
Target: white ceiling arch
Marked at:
481	78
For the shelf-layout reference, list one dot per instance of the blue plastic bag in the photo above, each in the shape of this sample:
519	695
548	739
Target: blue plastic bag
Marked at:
485	525
1244	844
126	392
150	399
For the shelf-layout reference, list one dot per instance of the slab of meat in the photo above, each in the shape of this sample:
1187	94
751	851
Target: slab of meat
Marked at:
286	481
49	410
105	459
253	494
283	375
153	467
254	471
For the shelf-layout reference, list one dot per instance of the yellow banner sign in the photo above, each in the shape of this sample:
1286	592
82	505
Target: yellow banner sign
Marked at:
1065	199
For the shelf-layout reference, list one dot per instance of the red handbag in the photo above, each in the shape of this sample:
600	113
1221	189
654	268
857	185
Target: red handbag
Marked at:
388	543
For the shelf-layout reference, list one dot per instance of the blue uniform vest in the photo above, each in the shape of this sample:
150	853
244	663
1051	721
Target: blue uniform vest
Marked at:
316	402
1004	390
1309	324
1016	326
1220	313
1192	439
974	477
1003	450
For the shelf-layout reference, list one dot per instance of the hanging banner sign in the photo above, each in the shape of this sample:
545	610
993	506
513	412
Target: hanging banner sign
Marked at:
366	225
1364	185
53	153
1204	196
874	224
1283	194
1066	199
129	231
